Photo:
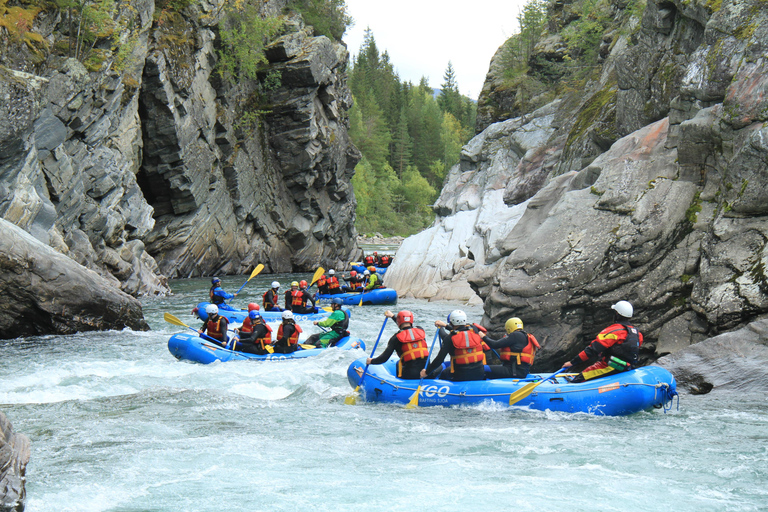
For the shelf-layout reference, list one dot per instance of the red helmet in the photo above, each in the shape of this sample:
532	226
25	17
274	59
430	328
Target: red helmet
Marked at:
372	269
352	274
374	252
302	284
404	317
253	306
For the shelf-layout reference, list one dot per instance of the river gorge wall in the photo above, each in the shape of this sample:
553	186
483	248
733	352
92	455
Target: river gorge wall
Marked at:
649	185
141	163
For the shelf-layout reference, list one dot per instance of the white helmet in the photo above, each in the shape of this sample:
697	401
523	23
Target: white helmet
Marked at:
331	272
623	308
275	284
287	314
366	273
211	309
457	318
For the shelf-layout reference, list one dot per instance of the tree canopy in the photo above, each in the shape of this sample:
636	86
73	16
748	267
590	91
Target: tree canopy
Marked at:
409	139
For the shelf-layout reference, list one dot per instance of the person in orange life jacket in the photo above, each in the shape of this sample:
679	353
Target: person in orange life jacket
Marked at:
322	285
218	295
253	336
516	350
355	281
296	299
374	279
271	299
287	339
409	342
332	281
215	325
384	261
615	349
369	260
464	346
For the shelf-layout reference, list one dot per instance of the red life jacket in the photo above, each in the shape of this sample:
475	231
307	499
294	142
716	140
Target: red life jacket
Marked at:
369	260
524	356
294	339
469	348
384	261
333	283
215	330
247	325
413	345
297	298
322	281
272	300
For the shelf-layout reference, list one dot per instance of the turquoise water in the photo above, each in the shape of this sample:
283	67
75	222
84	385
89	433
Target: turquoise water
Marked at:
117	424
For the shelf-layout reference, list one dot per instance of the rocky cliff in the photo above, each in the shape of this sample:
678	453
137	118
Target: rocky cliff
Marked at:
648	185
139	162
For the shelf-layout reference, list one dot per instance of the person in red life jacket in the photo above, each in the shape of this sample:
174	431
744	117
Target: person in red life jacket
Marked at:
516	351
287	340
218	295
409	342
253	336
465	347
215	325
296	299
355	281
384	261
334	286
322	285
615	349
271	299
369	260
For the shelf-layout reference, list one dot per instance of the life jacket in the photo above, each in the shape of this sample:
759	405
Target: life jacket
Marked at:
384	261
247	325
294	339
355	283
524	356
369	260
216	299
269	297
333	283
469	348
627	349
341	327
266	339
322	281
215	330
297	298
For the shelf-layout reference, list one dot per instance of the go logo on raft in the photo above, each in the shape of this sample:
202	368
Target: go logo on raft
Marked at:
435	394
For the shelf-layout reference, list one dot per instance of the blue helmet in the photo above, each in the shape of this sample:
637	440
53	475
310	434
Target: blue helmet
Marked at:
253	314
337	300
215	280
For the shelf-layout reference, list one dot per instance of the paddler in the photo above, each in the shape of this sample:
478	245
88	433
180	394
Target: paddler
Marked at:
215	325
516	351
338	323
465	347
409	342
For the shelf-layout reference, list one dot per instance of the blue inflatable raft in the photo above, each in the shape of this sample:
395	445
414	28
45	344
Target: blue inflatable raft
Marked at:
191	347
362	268
617	395
375	297
238	315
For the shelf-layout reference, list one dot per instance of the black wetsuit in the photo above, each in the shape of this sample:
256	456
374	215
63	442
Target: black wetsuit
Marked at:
410	369
282	346
247	341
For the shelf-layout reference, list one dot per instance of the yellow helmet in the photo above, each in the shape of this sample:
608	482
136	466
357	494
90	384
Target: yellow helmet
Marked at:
295	283
513	324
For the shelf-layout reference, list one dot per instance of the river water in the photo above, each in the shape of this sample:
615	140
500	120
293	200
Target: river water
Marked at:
117	424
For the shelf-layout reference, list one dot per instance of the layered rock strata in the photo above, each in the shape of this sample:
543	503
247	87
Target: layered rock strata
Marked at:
14	457
649	188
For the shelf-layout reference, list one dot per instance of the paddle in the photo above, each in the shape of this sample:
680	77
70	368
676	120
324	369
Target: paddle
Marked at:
175	321
255	272
318	274
528	388
352	399
414	401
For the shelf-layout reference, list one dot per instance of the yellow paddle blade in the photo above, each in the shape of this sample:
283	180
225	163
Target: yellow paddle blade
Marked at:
361	301
270	349
414	402
319	272
352	399
523	392
355	263
306	347
173	320
256	271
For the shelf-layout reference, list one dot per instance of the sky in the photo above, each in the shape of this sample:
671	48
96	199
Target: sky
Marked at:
421	36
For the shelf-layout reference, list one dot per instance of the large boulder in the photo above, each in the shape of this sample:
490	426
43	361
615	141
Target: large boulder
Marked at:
14	457
44	292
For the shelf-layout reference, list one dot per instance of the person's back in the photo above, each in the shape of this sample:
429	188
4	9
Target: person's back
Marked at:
287	340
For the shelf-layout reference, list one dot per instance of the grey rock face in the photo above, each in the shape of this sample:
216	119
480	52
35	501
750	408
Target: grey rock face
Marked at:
45	292
14	457
671	215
